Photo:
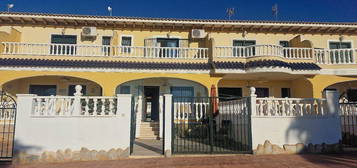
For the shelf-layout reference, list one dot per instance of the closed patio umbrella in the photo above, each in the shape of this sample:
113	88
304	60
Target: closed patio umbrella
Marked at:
214	100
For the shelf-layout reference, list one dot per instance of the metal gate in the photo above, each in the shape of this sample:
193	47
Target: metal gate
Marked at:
7	125
133	124
211	125
349	123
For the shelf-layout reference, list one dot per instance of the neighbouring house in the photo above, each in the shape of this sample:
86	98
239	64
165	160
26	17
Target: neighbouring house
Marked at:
85	87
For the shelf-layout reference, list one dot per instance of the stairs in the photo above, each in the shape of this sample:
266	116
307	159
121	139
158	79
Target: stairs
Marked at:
149	130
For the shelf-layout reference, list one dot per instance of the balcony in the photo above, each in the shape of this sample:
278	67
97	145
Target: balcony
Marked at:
74	50
319	56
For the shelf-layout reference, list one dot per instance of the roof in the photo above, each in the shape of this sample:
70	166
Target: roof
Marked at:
153	65
266	64
210	24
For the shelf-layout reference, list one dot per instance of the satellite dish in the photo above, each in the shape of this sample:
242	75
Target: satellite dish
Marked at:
110	10
9	6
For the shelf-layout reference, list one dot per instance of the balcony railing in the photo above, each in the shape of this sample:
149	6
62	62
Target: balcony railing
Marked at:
335	56
320	56
264	50
15	48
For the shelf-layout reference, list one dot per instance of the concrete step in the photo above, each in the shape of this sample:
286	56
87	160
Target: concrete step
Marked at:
153	124
149	129
148	137
149	133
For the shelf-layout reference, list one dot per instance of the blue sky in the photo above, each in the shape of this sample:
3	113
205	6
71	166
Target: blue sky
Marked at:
289	10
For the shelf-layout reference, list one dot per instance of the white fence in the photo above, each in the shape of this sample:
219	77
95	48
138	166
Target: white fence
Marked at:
264	50
16	48
190	110
54	124
335	56
290	107
320	56
61	106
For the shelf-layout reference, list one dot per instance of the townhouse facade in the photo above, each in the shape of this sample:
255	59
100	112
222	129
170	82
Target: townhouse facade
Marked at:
51	54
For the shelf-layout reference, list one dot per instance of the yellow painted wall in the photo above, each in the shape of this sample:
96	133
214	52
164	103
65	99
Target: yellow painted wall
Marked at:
273	85
21	86
109	80
318	40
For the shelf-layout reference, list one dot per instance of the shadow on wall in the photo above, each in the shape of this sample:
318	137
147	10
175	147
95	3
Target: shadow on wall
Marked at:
23	152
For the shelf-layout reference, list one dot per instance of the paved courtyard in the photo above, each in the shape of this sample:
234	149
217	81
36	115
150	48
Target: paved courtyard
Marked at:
231	161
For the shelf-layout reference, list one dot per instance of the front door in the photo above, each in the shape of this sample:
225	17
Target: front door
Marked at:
152	94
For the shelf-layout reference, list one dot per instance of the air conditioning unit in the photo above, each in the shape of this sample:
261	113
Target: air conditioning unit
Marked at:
198	33
89	31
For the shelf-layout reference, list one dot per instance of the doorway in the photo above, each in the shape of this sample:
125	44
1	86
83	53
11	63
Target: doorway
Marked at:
152	94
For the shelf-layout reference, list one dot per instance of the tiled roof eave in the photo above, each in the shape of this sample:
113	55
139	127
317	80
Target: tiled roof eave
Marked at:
177	21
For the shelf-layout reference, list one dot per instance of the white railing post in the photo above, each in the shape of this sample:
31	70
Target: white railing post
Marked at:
124	114
252	107
167	124
139	115
161	116
77	101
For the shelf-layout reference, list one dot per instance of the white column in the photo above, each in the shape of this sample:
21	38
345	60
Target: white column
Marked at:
167	124
124	113
139	114
77	101
23	114
161	116
252	101
333	112
332	99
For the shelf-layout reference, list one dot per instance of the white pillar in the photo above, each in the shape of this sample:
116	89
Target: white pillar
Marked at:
161	116
332	102
77	101
333	111
23	114
124	113
139	114
167	124
252	101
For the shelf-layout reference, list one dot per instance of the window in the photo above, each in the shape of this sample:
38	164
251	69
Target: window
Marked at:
72	90
340	45
106	43
352	95
124	90
126	43
43	90
250	51
262	92
168	42
229	93
340	55
184	94
284	43
69	49
285	92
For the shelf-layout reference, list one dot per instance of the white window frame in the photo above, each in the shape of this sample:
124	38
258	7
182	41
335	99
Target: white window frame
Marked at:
131	44
337	41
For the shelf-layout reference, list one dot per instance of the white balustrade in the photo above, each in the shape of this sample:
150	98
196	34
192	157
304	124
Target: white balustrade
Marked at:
290	107
56	106
16	48
264	50
249	51
335	56
190	110
348	109
297	53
